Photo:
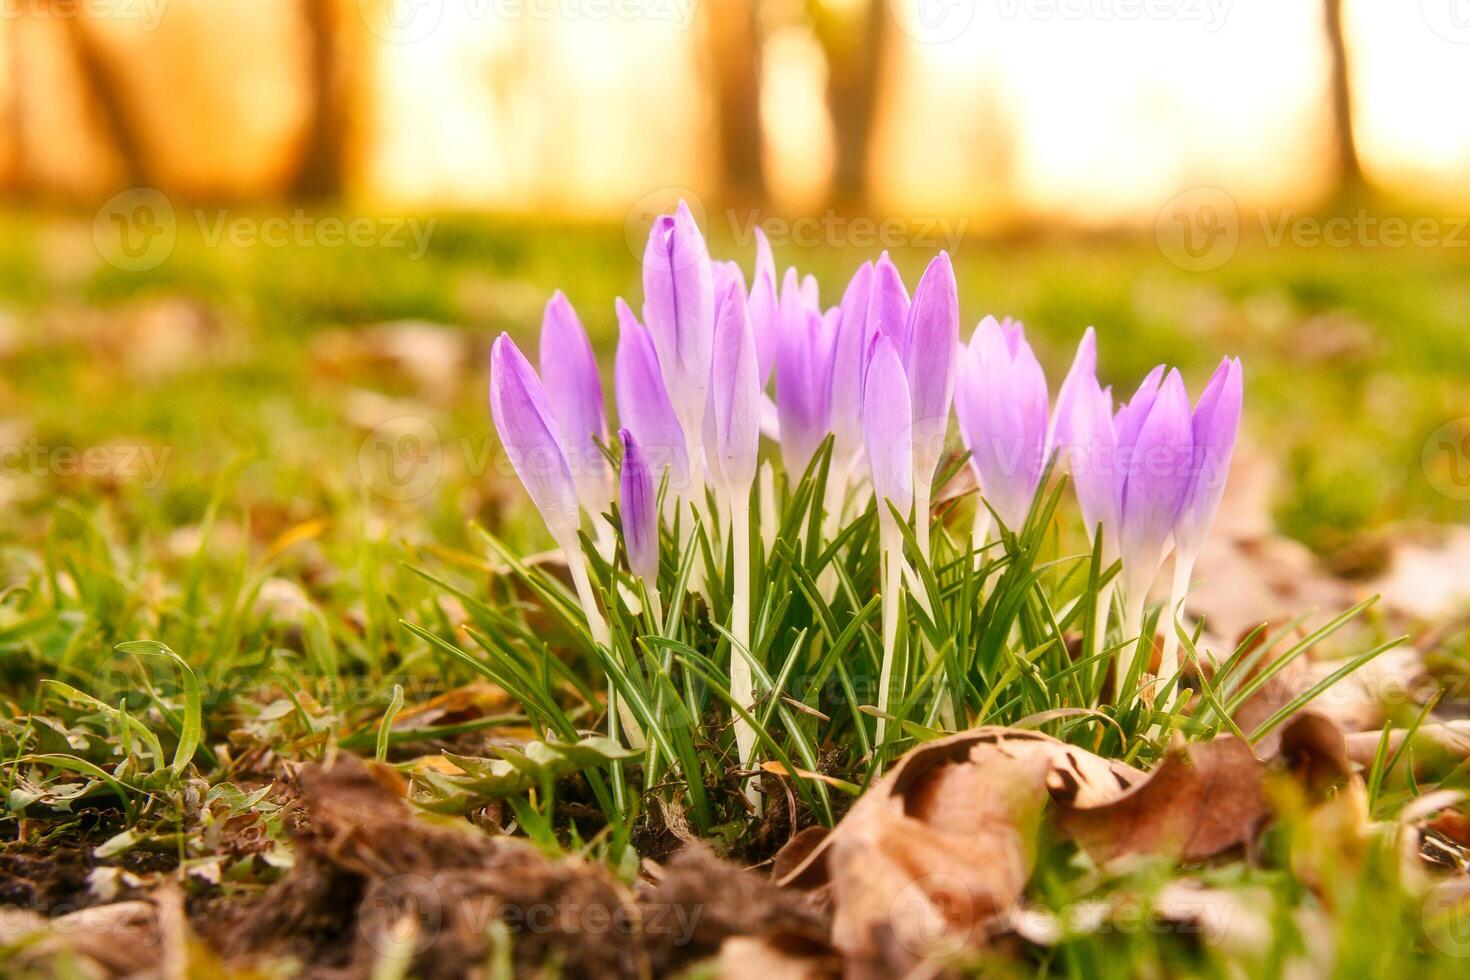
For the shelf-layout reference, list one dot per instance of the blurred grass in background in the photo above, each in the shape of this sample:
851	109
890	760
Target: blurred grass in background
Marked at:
230	356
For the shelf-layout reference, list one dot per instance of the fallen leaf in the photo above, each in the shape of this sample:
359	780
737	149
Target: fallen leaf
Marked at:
943	842
1202	799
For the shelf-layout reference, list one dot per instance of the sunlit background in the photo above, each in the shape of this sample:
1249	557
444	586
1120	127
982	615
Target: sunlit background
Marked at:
1091	112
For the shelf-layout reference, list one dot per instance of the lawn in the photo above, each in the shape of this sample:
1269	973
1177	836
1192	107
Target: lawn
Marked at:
251	496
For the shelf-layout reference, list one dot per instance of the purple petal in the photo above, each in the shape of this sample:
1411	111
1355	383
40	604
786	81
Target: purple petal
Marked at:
764	313
643	402
1001	403
848	362
1092	448
678	306
887	421
1156	482
639	510
1130	417
888	306
929	361
1215	424
804	386
734	397
574	392
528	433
1084	365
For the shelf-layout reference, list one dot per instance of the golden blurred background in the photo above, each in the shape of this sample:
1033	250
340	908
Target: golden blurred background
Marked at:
1009	112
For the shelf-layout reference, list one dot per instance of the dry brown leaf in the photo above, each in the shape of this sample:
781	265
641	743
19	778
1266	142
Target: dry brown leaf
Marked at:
944	842
776	958
1202	799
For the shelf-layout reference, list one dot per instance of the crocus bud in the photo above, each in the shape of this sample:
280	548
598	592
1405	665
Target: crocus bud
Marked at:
929	362
887	421
1215	424
735	398
678	306
1092	451
1084	366
764	307
1001	403
528	431
638	509
1155	450
805	343
643	402
574	392
848	361
888	306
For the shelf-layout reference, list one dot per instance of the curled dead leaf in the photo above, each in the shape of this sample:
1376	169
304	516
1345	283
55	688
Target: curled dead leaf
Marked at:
944	842
1202	799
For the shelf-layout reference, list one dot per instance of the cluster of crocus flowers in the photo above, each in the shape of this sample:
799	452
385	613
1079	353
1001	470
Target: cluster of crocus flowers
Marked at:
717	363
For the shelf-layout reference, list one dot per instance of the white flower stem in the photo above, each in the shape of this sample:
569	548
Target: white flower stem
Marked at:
923	495
741	688
577	565
980	534
655	605
1183	571
892	583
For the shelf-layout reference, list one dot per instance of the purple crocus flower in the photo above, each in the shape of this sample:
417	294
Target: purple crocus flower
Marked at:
734	399
1155	451
888	304
574	392
1215	424
887	425
1084	367
639	510
643	402
1002	405
849	359
764	307
805	342
528	431
678	306
933	336
1091	448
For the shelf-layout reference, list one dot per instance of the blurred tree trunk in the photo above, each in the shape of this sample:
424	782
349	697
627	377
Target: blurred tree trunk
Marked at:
734	51
855	45
104	92
322	170
18	164
1345	150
